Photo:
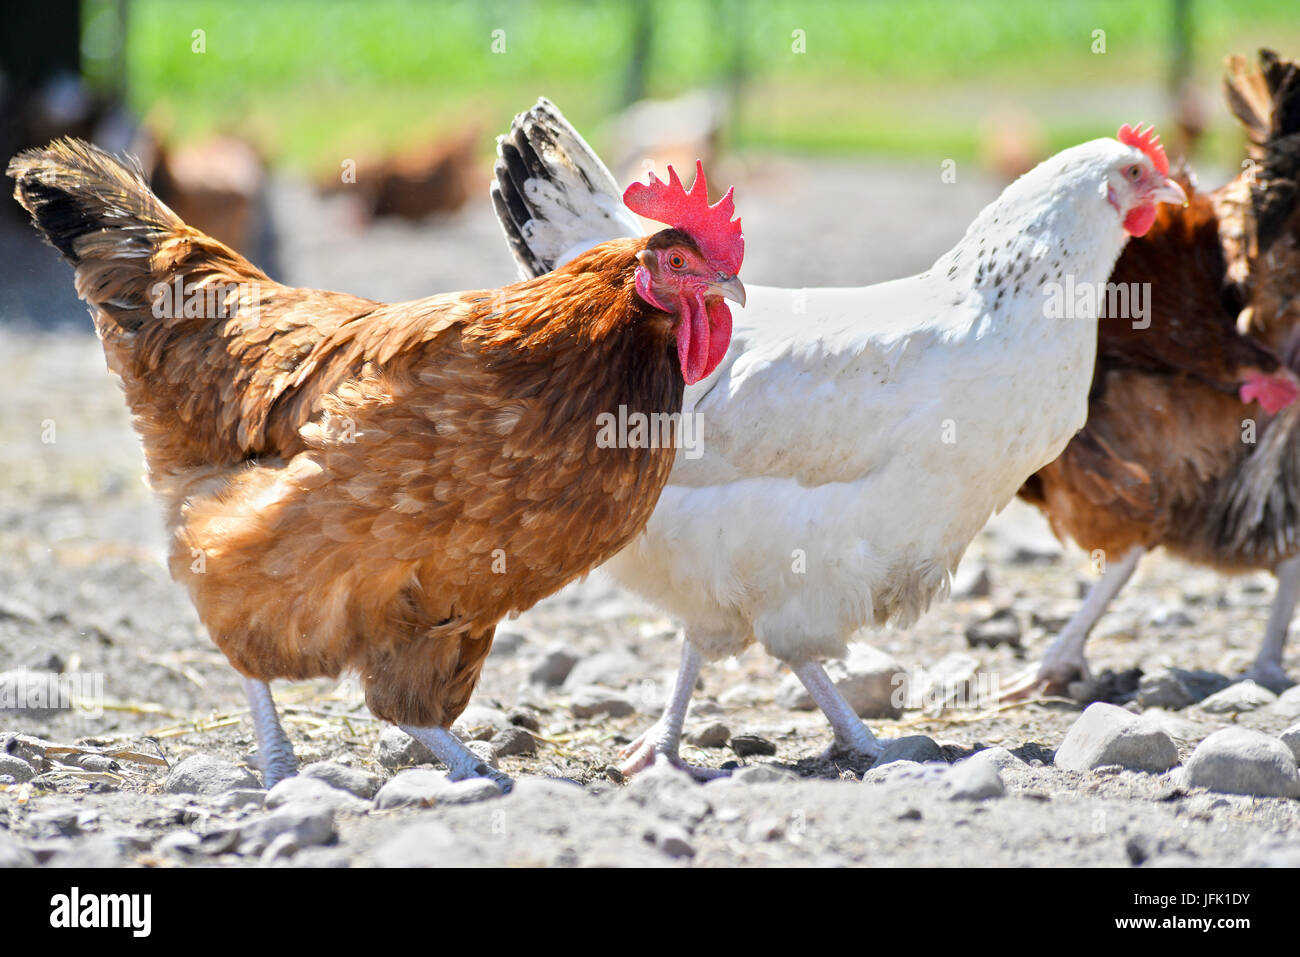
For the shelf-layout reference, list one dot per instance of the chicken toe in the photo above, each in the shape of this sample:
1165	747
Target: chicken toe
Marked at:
662	740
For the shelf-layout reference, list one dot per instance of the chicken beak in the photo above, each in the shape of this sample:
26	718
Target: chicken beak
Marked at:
730	288
1169	192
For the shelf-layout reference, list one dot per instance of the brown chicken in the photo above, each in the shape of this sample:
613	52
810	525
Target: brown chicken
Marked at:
434	177
1174	454
217	184
357	486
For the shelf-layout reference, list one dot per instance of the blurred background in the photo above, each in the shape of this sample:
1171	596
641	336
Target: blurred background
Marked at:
833	116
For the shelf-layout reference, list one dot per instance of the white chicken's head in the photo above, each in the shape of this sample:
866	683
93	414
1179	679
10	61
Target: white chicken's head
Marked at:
1138	179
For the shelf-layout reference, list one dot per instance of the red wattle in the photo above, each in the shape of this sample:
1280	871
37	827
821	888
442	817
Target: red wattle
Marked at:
719	332
1139	219
693	339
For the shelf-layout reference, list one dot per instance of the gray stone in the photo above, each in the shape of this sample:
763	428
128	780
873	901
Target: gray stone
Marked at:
427	844
1238	698
763	774
483	751
64	821
180	844
480	723
417	787
1169	616
1240	761
715	735
468	791
308	790
673	840
94	853
871	681
589	701
239	799
397	750
1000	628
1180	729
912	747
950	682
1175	688
16	768
539	789
296	825
672	794
1291	738
1105	734
609	668
207	774
13	853
27	748
353	780
553	668
907	772
1287	704
751	745
525	718
765	829
975	781
998	758
1144	848
94	762
513	741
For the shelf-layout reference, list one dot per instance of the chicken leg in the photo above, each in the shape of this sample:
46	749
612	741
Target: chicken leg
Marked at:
1267	669
273	746
1064	660
663	738
852	736
461	762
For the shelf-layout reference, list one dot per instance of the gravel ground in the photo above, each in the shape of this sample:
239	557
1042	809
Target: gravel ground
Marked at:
83	592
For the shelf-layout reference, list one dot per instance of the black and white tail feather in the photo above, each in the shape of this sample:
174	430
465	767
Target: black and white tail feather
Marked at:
553	196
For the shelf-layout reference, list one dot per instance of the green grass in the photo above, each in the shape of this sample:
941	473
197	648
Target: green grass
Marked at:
313	82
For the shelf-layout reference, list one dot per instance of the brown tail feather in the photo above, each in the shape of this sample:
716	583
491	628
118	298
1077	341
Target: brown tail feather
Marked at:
211	375
98	211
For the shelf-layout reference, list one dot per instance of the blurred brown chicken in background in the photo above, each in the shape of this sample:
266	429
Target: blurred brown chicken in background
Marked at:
437	176
1175	453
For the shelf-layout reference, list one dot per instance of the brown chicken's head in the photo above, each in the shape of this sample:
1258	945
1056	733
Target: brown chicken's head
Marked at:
688	270
1141	180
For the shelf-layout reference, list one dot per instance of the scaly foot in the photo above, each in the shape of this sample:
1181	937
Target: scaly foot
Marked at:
658	743
1270	675
1047	678
274	750
461	762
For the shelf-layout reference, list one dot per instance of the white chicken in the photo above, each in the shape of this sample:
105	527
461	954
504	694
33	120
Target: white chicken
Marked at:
854	440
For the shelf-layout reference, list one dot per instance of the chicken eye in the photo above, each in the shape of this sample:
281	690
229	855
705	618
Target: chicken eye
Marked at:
677	260
1134	171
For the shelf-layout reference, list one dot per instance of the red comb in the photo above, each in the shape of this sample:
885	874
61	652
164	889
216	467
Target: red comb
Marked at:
1148	142
712	228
